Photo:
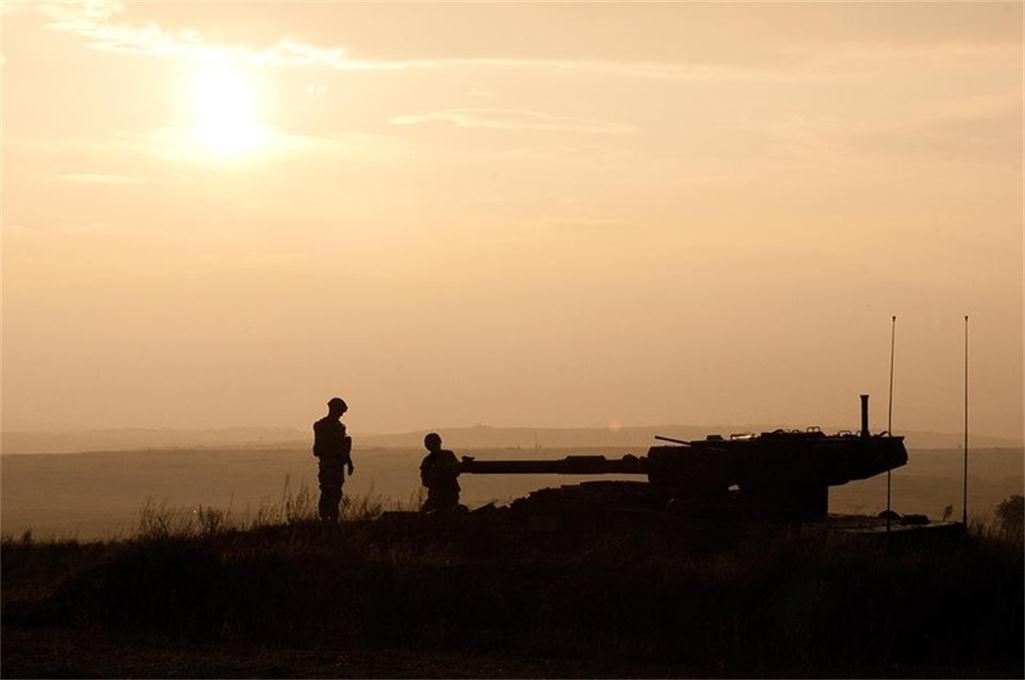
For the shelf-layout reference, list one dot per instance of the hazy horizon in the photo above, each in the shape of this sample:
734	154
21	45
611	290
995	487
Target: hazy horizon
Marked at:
464	440
589	214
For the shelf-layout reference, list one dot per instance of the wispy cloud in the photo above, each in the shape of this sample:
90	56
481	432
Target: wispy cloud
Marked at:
91	178
511	119
100	22
967	129
263	142
95	21
92	20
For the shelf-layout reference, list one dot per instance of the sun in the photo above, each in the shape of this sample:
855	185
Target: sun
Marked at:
225	110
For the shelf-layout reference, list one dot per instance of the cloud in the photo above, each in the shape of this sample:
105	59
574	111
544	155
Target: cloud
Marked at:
971	129
94	20
98	21
84	228
290	52
261	142
979	135
90	178
510	119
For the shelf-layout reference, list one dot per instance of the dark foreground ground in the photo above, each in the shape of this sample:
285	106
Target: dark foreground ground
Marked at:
493	595
61	653
47	653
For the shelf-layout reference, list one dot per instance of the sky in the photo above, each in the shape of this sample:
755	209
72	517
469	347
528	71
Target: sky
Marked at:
222	214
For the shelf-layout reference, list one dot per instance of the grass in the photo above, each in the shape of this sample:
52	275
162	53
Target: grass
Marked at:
725	600
161	520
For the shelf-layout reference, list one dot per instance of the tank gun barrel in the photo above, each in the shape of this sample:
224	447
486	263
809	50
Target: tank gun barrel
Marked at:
570	465
672	440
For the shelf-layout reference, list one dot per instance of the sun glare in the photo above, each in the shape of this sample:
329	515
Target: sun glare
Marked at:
225	109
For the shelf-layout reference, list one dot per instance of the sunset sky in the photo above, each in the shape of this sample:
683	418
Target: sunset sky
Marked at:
222	214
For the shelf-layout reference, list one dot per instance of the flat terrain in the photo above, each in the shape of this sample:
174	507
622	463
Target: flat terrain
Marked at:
98	495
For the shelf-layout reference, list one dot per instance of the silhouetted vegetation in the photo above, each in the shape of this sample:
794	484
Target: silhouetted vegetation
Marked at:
1010	515
726	600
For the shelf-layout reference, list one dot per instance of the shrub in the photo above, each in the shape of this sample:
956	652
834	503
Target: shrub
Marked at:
1010	514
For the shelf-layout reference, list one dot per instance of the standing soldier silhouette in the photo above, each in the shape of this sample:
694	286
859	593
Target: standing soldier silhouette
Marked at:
333	448
438	472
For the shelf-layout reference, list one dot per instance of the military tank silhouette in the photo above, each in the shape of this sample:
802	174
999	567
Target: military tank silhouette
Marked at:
785	474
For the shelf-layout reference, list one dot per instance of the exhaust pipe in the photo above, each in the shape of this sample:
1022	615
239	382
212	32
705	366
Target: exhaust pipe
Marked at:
864	415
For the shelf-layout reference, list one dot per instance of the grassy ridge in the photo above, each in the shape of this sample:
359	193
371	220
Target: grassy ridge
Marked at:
728	600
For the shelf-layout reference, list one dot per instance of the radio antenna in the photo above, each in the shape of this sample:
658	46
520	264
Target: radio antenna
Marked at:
964	515
889	411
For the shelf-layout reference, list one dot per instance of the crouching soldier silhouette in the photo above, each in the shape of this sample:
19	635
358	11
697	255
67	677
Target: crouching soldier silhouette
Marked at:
333	448
438	472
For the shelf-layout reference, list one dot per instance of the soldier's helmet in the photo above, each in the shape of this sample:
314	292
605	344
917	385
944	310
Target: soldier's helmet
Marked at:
432	441
337	404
